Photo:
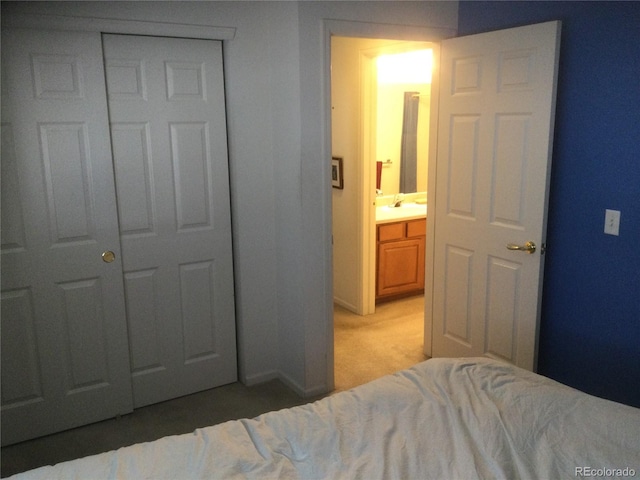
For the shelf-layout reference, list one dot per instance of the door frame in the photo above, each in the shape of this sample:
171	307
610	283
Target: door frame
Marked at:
106	25
431	200
344	28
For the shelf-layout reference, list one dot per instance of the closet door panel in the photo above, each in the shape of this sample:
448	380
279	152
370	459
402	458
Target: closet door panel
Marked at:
65	358
133	168
168	122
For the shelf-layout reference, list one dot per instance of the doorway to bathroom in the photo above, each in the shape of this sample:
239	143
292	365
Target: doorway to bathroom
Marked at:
380	106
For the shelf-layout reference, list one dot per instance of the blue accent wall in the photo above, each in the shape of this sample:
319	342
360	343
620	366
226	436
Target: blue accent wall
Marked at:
590	328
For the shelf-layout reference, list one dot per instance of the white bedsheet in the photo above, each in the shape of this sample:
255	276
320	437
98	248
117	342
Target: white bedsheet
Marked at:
442	419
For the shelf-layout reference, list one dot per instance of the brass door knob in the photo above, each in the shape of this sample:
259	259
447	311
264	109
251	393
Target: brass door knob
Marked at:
528	247
108	256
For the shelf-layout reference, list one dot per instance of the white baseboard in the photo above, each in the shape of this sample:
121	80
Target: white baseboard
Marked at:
349	306
259	378
263	377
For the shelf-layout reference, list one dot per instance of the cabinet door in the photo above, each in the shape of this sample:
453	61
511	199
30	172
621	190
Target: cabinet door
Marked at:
400	267
65	358
417	228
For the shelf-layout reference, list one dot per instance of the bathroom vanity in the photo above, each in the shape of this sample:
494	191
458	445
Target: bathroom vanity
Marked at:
400	234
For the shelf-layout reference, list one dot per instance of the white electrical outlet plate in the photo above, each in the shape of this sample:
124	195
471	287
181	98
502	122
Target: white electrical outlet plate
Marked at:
612	222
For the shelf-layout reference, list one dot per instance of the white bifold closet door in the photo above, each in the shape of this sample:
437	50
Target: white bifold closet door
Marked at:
65	353
85	338
168	130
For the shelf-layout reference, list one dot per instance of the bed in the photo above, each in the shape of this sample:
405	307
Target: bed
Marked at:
441	419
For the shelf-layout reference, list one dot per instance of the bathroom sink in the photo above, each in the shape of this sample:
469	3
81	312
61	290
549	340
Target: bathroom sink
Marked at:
406	211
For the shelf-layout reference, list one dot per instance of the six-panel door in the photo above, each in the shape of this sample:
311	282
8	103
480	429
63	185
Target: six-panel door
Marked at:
167	111
65	356
497	97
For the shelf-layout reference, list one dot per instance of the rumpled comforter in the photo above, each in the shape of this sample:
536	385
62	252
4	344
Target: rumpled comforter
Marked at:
442	419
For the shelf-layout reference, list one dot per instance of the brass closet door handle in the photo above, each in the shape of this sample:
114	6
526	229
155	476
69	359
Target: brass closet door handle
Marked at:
108	256
528	247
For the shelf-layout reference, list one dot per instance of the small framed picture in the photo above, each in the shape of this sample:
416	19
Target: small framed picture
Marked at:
337	180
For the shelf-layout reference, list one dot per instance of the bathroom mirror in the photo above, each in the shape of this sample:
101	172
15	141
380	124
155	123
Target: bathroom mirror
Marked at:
403	97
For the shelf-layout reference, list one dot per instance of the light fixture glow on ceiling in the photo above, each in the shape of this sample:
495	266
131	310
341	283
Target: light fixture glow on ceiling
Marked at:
409	67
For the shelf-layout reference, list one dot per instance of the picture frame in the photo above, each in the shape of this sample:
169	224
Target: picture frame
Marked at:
337	178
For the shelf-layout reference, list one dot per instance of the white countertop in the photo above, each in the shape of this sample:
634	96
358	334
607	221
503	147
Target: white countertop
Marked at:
406	211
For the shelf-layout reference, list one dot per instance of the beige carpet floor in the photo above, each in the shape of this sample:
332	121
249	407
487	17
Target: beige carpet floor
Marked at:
371	346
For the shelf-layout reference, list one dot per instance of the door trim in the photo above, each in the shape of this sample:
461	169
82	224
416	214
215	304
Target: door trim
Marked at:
108	25
431	200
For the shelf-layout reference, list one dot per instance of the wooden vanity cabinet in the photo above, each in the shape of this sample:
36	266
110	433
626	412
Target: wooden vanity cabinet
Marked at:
400	259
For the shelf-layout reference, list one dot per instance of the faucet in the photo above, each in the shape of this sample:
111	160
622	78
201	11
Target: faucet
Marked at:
397	200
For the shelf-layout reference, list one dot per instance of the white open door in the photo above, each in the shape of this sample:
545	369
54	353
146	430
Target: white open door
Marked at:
495	127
